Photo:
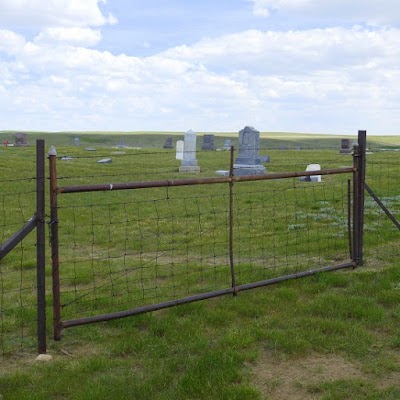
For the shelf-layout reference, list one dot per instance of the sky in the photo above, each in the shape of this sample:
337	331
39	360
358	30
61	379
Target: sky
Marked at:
316	66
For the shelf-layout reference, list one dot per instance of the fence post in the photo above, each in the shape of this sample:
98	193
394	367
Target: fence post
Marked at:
362	141
40	246
231	260
358	197
54	244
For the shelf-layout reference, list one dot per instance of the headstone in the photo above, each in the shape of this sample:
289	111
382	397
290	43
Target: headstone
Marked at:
265	159
20	139
312	178
282	146
168	143
76	141
66	158
298	147
345	146
90	149
189	161
248	162
121	144
208	142
222	172
179	149
105	161
227	145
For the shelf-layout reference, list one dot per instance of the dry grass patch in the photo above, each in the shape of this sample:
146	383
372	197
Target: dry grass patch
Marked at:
284	379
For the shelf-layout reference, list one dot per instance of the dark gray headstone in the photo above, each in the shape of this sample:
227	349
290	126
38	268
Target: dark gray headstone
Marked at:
248	162
20	140
208	142
345	146
168	143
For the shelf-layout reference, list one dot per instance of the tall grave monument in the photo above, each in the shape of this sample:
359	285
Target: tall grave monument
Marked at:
189	161
248	161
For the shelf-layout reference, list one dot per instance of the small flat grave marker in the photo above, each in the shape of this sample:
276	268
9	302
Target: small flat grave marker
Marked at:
105	161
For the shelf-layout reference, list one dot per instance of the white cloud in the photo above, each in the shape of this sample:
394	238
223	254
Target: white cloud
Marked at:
10	42
264	7
38	13
296	52
336	11
74	36
324	79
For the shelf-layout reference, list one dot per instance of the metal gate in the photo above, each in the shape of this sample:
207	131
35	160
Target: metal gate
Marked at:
176	241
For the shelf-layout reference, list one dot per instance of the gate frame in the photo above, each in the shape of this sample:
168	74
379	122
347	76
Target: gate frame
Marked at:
355	237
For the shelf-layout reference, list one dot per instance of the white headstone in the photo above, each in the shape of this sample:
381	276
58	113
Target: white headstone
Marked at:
314	167
189	161
179	149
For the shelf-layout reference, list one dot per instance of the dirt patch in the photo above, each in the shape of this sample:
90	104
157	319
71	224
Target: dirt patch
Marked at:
287	379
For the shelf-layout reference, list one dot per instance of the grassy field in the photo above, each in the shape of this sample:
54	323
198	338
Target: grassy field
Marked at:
331	336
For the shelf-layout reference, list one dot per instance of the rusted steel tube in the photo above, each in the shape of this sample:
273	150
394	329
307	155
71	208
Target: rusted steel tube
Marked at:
349	218
199	181
362	140
198	297
356	201
54	245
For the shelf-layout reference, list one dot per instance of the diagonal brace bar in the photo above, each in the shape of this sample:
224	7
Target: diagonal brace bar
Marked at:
382	206
7	246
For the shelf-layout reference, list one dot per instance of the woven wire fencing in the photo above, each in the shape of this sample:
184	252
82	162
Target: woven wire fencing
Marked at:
381	230
18	312
120	250
126	249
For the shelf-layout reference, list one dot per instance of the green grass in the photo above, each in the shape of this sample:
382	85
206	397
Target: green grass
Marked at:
330	336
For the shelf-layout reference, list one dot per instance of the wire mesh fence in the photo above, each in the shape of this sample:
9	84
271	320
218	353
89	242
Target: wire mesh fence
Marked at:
382	233
126	249
156	244
18	318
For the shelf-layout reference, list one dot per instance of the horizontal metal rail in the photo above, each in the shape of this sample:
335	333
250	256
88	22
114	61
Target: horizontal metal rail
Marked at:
198	297
13	241
198	181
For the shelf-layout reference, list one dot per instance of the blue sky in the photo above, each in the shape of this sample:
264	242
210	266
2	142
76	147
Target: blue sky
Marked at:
323	66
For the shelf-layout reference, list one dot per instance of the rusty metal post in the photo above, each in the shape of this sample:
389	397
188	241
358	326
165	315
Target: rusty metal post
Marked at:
349	232
54	244
358	197
362	142
40	247
231	219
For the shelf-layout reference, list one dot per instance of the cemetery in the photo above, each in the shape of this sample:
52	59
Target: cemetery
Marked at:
154	227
